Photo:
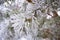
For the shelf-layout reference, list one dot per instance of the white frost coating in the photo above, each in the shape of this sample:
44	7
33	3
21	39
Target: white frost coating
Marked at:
3	26
21	23
23	38
6	4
